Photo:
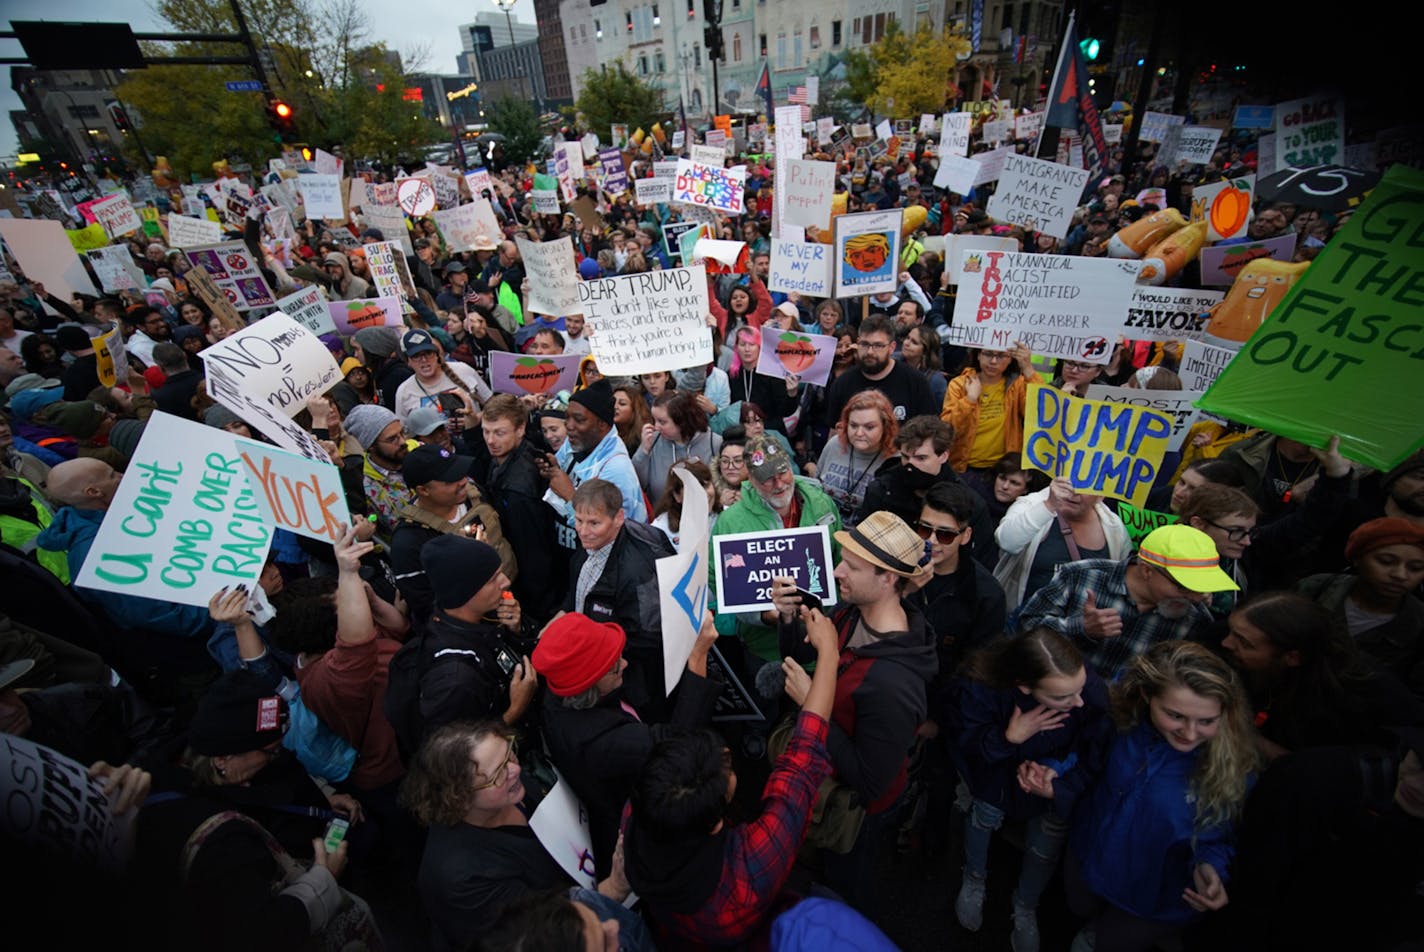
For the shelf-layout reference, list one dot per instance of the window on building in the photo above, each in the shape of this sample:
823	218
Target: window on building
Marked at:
628	18
815	37
1008	17
736	4
657	20
691	8
697	100
781	51
736	47
696	56
796	60
597	30
761	43
643	65
84	112
661	62
867	31
835	33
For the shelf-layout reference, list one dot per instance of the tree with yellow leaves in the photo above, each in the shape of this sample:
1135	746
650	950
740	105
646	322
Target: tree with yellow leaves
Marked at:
913	73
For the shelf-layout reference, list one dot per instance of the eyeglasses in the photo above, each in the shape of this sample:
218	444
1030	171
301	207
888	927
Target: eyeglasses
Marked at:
988	355
1235	533
942	534
870	345
501	773
1078	365
733	462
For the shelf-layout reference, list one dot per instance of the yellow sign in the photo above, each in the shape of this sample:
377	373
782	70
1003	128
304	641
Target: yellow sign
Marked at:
109	357
460	93
28	156
86	239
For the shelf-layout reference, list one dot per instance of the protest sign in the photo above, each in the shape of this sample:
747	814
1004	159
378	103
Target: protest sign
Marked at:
295	493
56	810
546	201
415	196
1179	405
114	267
352	316
1156	124
1028	126
390	275
1254	117
116	214
1197	144
521	374
746	562
672	234
574	153
308	307
1309	131
734	702
996	130
461	226
326	163
390	221
44	253
1220	264
929	124
615	176
991	164
956	174
235	208
1341	354
553	276
110	357
1167	150
479	182
1225	207
711	156
1112	132
183	522
721	256
266	373
1107	449
809	188
824	127
1037	195
1157	313
1202	363
233	270
87	238
682	581
714	188
800	267
956	245
808	356
1266	151
321	196
788	142
446	185
687	241
185	232
1060	306
586	211
201	284
867	253
564	178
1139	523
561	824
638	323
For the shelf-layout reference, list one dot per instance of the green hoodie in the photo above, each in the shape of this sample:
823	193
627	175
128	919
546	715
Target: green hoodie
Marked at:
752	514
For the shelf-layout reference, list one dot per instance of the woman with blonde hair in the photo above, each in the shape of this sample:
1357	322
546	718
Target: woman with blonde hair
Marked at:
1152	845
864	440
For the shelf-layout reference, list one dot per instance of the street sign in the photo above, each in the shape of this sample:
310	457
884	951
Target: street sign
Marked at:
244	86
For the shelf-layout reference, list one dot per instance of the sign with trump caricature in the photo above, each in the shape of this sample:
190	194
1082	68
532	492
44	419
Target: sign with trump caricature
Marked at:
867	253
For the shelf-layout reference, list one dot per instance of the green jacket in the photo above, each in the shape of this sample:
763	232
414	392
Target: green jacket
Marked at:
752	514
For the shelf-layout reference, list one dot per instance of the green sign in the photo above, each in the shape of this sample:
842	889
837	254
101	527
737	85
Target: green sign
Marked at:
1139	522
1343	353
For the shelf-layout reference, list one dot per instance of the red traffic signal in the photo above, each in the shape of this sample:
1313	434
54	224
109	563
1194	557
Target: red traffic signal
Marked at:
282	110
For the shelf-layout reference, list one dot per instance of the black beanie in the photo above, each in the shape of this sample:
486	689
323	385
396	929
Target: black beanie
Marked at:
598	398
457	568
239	713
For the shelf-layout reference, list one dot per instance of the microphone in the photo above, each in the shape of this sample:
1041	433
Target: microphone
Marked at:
770	682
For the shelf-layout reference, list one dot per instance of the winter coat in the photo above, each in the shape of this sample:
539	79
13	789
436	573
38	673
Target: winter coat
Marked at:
1022	531
959	413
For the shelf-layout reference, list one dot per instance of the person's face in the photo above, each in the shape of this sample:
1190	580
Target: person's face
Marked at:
1059	692
1238	525
191	345
907	314
732	462
390	445
191	314
155	326
858	583
440	494
598	935
487	599
1170	598
1009	486
595	527
911	348
543	345
874	352
754	425
739	302
622	408
458	280
7	436
1250	648
1110	202
924	458
475	323
584	430
1189	480
666	428
845	349
271	579
574	325
613	680
426	365
14	715
776	491
1076	373
1409	788
153	254
828	318
946	535
495	760
217	330
1392	571
1267	223
554	432
501	436
1407	493
1185	719
748	350
1078	505
761	267
426	254
333	271
993	363
359	378
655	383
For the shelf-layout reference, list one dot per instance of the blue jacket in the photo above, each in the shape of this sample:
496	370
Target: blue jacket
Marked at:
989	763
1134	835
609	460
72	531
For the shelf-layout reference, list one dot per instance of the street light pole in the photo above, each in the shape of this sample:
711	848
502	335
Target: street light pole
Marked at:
506	6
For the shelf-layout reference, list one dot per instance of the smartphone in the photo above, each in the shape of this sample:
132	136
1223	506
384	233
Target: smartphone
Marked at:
810	600
335	833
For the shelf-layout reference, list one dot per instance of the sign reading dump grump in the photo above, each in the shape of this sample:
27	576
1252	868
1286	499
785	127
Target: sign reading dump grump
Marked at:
1108	449
1180	405
183	522
638	323
1058	305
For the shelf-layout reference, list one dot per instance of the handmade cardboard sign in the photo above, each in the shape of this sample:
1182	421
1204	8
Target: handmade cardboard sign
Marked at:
715	188
295	493
553	276
1037	195
638	323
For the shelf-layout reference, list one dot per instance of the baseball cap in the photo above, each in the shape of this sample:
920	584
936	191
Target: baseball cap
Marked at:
885	540
426	464
424	421
29	382
766	459
454	267
1189	556
418	342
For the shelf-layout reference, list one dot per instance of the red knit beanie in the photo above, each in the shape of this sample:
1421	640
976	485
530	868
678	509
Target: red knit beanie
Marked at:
1378	533
575	651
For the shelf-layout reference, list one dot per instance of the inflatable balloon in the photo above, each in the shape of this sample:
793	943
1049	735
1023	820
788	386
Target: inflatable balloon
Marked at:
1134	240
838	207
914	220
1258	288
1169	256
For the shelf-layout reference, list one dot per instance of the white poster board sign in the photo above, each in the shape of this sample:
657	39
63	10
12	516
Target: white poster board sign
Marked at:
321	196
308	308
116	214
1165	314
800	267
561	824
185	232
1037	195
682	581
809	188
553	276
954	134
45	254
295	493
638	323
115	268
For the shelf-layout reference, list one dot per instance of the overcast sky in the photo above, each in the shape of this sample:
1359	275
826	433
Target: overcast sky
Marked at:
391	23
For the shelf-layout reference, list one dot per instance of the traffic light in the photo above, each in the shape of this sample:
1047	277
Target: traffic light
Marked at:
283	119
1090	46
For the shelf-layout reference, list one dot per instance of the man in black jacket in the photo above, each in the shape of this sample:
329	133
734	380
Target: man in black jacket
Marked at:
511	482
908	390
596	741
613	577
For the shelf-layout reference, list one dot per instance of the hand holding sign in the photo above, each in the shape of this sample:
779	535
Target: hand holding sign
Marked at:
1100	622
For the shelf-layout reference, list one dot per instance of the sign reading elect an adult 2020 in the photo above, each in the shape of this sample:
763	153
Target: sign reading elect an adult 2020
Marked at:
746	562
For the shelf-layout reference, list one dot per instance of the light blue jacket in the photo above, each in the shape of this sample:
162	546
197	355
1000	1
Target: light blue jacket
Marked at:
609	460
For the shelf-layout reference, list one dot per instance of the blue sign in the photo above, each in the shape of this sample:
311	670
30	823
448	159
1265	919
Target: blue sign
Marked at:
1254	117
244	86
746	562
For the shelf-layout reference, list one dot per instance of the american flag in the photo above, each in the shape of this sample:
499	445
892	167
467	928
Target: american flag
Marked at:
734	562
797	96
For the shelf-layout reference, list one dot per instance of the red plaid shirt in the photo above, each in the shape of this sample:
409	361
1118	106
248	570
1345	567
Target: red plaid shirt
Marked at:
758	856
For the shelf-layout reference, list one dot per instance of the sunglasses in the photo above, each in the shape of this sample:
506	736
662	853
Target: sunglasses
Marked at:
941	534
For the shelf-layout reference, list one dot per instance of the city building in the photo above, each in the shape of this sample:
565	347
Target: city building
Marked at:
74	111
